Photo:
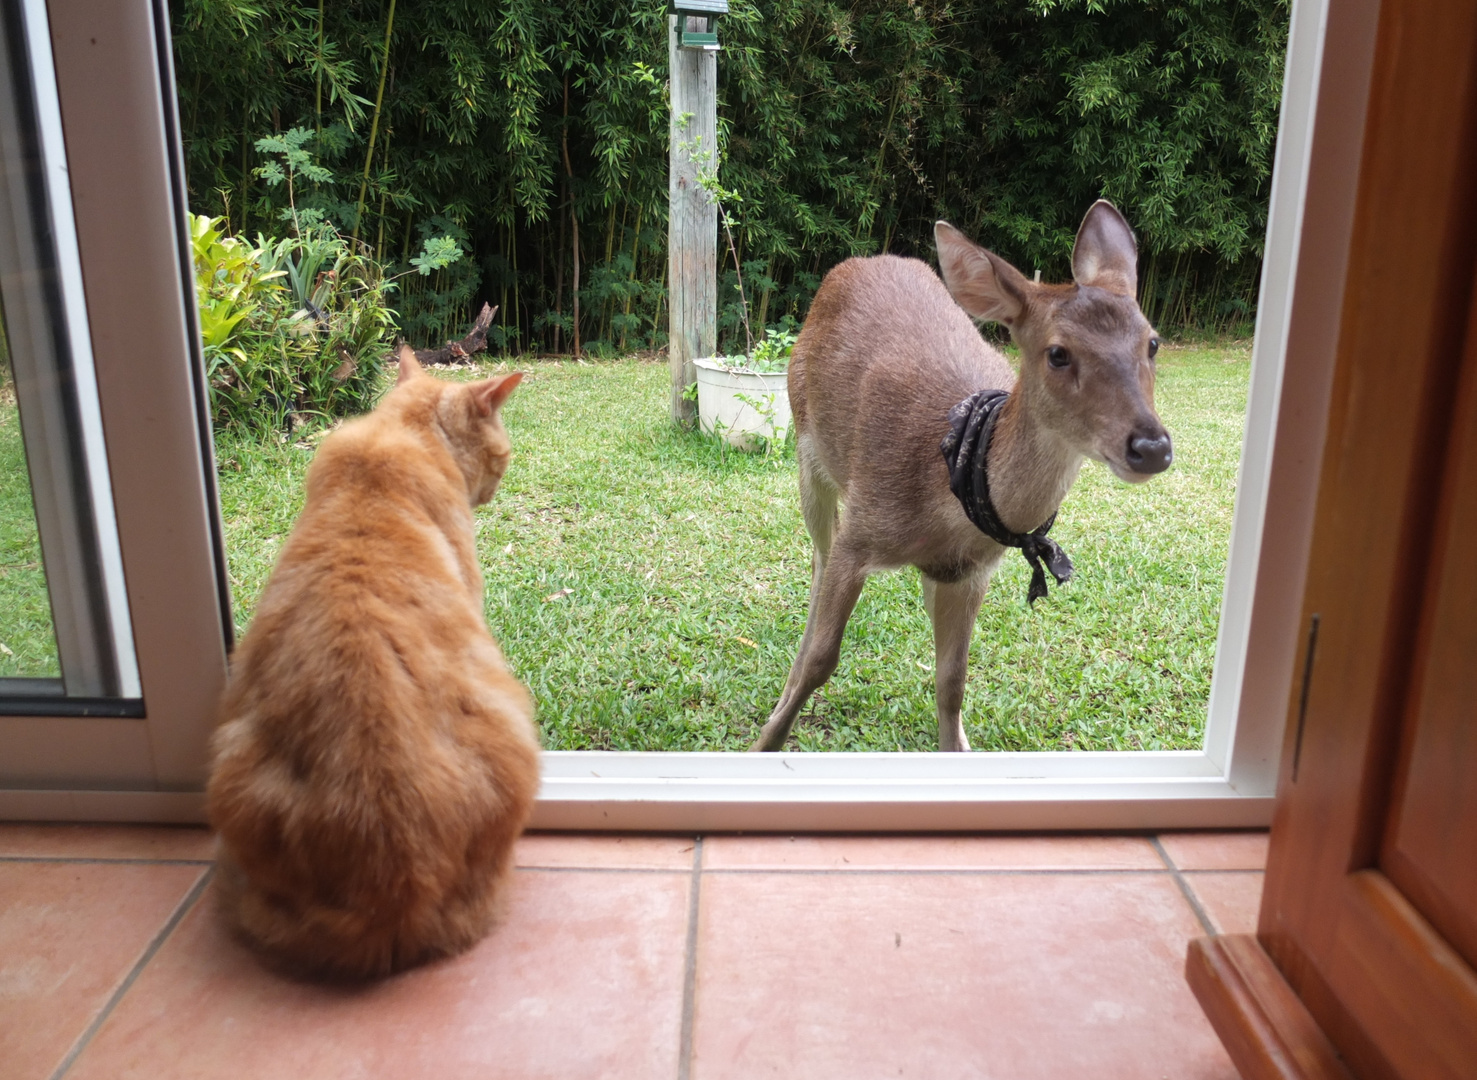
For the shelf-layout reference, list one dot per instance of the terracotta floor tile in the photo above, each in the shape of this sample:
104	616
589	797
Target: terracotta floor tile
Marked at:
595	850
1216	850
69	934
930	853
106	841
583	978
1013	976
1232	900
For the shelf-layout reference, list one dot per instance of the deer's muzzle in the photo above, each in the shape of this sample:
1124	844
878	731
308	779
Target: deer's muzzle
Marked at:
1149	454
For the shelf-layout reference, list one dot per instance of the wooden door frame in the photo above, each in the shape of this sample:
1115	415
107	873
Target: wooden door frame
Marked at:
1341	958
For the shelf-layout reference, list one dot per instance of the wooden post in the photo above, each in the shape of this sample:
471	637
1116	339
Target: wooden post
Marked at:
692	223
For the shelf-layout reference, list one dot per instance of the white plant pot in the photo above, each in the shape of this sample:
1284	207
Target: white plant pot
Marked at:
741	404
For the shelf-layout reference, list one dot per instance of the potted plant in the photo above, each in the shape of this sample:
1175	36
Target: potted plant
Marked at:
744	399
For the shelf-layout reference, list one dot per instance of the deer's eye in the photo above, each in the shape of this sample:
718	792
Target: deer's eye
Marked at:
1057	357
1153	347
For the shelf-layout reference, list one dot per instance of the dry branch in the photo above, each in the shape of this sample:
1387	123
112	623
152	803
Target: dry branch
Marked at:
460	352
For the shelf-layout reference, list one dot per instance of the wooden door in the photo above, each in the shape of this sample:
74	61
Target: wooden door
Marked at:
1365	958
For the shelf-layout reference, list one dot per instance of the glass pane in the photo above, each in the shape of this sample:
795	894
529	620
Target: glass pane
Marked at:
56	490
27	637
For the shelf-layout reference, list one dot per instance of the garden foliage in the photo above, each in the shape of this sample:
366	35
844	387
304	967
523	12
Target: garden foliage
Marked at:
527	130
296	327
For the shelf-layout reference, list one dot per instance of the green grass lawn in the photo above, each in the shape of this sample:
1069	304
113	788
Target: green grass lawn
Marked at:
651	589
27	644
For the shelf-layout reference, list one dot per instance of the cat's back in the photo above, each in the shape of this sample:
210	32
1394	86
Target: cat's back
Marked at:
373	612
376	585
375	495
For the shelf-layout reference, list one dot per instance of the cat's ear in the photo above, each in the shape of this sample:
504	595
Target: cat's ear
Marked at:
490	394
409	365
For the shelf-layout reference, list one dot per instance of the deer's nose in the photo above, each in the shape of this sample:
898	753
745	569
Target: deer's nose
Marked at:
1150	454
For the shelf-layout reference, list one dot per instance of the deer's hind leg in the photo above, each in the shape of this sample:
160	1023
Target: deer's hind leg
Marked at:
836	578
953	608
820	506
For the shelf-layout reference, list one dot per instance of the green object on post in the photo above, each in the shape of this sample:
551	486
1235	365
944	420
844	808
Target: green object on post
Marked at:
698	28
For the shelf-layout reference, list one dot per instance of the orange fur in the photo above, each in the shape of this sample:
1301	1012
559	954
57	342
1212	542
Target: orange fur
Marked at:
375	758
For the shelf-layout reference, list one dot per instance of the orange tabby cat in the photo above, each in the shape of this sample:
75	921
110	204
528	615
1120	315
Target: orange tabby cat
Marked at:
375	759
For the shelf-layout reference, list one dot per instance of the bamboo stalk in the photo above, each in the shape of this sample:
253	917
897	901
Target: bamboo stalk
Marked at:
607	306
635	260
517	295
245	177
764	296
559	269
656	316
379	243
318	101
374	124
503	303
897	93
574	222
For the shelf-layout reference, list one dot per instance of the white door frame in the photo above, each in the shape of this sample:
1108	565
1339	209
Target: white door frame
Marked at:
1228	783
131	307
1231	781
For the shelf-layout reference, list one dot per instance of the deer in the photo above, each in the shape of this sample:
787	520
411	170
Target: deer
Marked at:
917	444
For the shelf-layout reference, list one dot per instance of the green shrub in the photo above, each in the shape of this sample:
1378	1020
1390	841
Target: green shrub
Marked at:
293	329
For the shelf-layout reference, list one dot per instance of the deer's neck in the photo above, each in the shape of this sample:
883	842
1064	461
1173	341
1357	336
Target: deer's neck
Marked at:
1030	469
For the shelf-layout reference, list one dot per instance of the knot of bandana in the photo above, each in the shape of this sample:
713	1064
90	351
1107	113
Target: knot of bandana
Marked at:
971	423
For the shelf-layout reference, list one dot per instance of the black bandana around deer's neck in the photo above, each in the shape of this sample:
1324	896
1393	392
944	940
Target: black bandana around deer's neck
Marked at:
971	423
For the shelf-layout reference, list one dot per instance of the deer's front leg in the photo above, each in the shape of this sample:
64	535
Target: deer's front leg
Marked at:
952	609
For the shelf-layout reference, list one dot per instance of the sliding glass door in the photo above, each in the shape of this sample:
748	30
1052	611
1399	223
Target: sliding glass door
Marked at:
113	610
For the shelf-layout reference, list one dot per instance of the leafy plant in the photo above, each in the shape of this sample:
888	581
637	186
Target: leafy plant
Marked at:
231	284
438	253
293	329
771	356
294	160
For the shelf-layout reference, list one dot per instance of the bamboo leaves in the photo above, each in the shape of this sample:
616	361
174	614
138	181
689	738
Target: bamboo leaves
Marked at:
845	128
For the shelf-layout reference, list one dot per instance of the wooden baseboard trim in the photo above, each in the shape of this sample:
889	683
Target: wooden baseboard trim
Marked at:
1262	1023
154	807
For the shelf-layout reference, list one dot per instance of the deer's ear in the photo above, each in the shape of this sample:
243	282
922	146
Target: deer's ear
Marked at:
489	395
982	283
1106	254
409	365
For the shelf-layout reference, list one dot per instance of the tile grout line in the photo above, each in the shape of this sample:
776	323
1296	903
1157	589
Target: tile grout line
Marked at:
111	860
1189	893
689	965
938	871
180	911
924	871
601	869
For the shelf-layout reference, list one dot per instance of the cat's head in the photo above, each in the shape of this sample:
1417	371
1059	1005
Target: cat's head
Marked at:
468	414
